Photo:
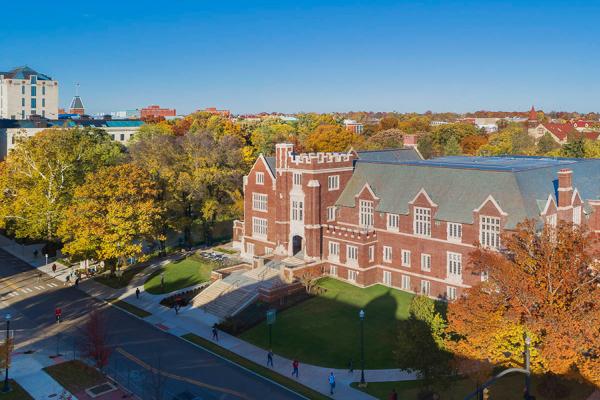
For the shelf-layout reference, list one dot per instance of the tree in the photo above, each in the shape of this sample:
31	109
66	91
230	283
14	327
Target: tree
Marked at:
546	144
575	146
425	146
331	138
387	139
266	135
113	212
94	339
511	140
544	284
388	122
452	147
39	176
441	134
471	144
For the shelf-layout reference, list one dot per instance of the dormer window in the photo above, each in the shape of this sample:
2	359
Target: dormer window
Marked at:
366	214
489	232
422	221
454	232
393	222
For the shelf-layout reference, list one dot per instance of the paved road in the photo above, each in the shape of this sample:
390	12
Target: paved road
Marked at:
139	347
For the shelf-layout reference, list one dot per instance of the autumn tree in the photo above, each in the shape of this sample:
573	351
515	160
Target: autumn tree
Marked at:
113	212
471	144
575	146
511	140
388	122
425	146
39	177
267	135
331	138
441	134
452	147
545	284
387	139
94	339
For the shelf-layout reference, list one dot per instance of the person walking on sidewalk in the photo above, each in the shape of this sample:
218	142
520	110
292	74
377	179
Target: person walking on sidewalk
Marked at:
57	314
393	395
270	358
77	281
331	382
53	268
215	333
137	293
295	365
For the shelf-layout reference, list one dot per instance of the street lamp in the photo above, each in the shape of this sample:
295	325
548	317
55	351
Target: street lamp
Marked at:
6	387
527	367
361	315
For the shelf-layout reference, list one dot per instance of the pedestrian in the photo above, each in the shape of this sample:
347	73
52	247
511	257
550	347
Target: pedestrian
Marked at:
270	358
350	366
53	268
176	307
295	365
137	293
77	281
215	333
162	280
35	253
39	277
393	395
57	314
67	280
331	382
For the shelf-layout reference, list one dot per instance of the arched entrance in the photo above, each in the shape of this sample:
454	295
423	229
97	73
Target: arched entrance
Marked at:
296	244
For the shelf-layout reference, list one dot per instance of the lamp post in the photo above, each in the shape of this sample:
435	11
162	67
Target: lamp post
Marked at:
46	258
527	367
7	355
361	315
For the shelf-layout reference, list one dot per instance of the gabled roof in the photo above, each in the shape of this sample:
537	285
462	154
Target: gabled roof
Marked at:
460	185
25	72
76	103
532	114
561	131
271	164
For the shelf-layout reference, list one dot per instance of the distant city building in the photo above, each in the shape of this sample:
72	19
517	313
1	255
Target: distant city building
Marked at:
438	123
25	92
155	111
127	114
354	126
213	110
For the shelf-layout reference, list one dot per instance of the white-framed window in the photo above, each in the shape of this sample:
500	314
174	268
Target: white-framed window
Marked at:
451	293
259	201
425	287
454	265
352	253
259	227
333	182
551	220
387	278
489	231
422	221
260	178
331	213
454	232
250	248
425	262
333	270
297	210
577	215
268	251
352	274
371	253
405	282
393	222
387	254
297	177
366	214
334	250
405	258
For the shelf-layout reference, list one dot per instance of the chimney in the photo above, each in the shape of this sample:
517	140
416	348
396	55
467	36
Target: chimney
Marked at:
565	187
282	153
410	140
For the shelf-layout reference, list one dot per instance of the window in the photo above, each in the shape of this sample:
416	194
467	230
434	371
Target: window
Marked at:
489	232
451	292
422	221
22	101
23	114
406	258
250	248
393	222
387	278
425	287
259	227
352	275
551	220
33	79
426	262
331	213
333	182
112	136
23	89
43	102
366	214
268	251
352	253
33	91
387	254
454	232
43	113
259	201
454	265
577	215
333	270
260	178
297	210
297	179
43	90
122	137
334	250
405	282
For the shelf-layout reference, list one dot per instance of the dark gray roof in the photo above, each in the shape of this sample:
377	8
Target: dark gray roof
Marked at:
76	103
458	186
271	164
390	155
25	72
69	123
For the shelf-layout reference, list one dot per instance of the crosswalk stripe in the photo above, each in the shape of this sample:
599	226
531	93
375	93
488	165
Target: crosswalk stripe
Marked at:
23	290
29	290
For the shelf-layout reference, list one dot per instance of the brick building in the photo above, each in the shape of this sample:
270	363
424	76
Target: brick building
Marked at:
389	217
155	111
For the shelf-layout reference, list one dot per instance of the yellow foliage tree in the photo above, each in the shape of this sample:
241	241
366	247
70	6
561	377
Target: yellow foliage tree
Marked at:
329	138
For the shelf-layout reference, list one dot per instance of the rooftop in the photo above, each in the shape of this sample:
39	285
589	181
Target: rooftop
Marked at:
25	72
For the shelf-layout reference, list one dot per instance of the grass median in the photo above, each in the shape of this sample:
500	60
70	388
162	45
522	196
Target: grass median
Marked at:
75	376
16	392
129	308
252	366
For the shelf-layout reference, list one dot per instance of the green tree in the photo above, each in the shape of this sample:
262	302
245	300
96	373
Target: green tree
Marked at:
425	146
39	177
267	135
546	144
452	147
575	146
511	140
328	138
441	134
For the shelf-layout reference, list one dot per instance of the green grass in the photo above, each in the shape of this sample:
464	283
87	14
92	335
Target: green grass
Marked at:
325	330
75	376
259	369
180	274
121	282
16	393
507	388
224	250
130	308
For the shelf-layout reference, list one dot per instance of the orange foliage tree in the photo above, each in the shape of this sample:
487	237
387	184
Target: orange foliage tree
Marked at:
329	138
546	283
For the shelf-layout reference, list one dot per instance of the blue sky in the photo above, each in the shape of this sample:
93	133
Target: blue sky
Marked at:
291	56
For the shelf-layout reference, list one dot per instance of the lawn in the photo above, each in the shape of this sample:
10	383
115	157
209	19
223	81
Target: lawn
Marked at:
259	369
325	330
507	388
120	282
75	375
180	274
16	393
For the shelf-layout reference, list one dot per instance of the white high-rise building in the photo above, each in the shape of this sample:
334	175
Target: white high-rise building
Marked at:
25	92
